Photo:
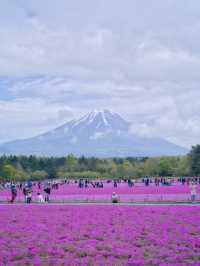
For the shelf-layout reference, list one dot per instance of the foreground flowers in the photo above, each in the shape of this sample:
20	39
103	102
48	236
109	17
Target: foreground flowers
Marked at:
100	235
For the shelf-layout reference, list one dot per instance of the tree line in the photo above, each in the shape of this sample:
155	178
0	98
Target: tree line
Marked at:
22	168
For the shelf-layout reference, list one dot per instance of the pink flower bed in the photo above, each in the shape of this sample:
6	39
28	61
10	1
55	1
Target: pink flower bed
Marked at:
99	235
139	192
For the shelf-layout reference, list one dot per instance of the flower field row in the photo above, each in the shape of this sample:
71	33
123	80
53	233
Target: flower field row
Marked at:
139	192
99	235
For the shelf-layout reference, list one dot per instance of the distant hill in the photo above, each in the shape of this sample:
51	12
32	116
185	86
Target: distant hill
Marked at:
99	133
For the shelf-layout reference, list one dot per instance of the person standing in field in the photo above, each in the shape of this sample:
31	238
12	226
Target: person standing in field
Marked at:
25	193
193	191
47	191
13	192
29	196
115	183
40	198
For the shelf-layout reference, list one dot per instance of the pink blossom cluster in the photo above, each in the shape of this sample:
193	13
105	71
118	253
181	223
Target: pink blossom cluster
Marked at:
99	235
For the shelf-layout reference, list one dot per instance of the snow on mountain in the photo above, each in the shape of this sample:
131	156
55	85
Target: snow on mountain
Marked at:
99	133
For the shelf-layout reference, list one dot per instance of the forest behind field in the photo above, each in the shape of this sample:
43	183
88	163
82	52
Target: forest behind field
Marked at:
22	168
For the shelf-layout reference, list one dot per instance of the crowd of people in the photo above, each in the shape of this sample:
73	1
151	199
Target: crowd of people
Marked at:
45	188
27	190
167	181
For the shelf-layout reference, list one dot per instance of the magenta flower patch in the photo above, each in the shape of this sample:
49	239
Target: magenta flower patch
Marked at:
99	235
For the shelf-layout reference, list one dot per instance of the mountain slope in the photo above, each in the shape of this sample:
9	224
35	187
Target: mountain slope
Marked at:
100	133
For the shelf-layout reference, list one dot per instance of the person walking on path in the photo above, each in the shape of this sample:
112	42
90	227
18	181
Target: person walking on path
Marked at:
47	190
13	192
29	196
40	198
193	191
25	189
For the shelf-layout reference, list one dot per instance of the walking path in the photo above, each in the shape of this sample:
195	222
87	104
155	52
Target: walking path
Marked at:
108	204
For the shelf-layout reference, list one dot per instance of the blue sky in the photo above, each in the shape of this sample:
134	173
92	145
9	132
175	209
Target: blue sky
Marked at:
62	59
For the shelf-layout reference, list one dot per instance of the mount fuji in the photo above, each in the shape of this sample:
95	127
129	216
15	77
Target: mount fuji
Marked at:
99	133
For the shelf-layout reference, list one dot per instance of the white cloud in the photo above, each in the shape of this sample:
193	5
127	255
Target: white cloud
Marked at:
137	58
27	117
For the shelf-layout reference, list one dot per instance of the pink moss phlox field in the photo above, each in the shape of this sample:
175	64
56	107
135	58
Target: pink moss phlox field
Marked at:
99	235
137	193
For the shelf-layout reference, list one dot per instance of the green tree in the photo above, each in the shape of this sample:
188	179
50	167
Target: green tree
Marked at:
21	175
126	169
151	166
39	175
8	172
183	166
194	160
167	166
71	162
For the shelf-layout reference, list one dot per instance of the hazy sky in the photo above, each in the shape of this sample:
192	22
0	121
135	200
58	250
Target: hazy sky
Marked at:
61	59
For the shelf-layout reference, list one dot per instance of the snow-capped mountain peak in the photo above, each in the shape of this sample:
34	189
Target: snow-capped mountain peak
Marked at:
99	133
99	120
98	115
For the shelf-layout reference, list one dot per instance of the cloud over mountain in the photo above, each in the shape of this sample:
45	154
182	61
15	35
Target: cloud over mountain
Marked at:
64	59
